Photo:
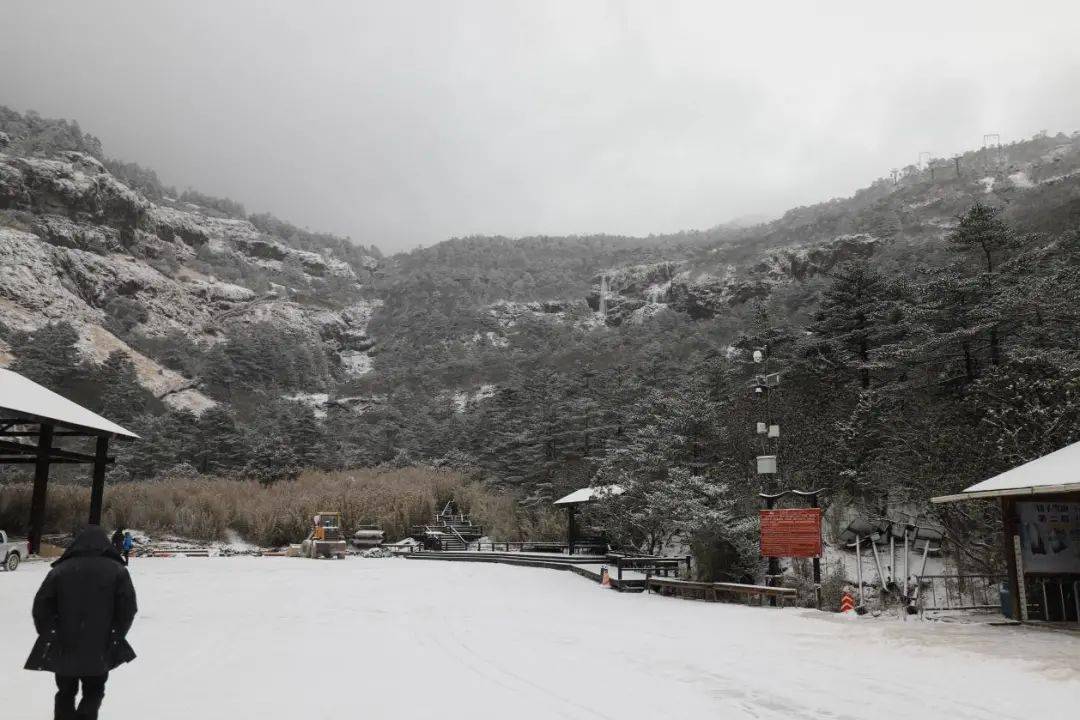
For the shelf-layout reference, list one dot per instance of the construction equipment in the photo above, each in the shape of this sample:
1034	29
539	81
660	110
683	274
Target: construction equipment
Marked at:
325	538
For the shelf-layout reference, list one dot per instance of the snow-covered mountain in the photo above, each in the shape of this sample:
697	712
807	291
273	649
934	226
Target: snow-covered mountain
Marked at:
133	268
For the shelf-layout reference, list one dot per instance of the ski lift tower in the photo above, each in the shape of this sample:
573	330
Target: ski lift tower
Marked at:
924	160
992	144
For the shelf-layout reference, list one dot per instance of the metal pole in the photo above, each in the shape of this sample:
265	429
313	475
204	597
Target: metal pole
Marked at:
877	563
906	568
892	556
922	571
817	562
858	569
1076	598
774	562
41	484
97	489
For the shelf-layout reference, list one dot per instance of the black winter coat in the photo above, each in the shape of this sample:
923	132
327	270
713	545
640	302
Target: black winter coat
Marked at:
83	610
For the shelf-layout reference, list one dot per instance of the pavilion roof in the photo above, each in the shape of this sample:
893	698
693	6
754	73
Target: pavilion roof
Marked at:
1054	473
589	494
22	398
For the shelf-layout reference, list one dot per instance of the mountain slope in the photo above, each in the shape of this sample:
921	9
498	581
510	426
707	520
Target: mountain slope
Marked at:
311	349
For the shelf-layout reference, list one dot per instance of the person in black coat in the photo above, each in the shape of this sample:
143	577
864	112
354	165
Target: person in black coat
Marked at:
82	613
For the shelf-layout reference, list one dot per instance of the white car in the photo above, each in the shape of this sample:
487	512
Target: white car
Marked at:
12	552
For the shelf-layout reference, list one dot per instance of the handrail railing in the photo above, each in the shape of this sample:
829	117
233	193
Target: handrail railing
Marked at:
972	591
648	564
459	536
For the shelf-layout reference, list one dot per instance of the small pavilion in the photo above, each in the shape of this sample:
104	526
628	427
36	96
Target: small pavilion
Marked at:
34	422
577	498
1040	508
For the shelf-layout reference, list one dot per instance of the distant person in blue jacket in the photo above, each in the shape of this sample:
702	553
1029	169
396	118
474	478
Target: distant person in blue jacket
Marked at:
128	544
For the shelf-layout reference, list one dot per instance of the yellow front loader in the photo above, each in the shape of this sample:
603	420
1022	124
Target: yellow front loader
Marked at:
326	538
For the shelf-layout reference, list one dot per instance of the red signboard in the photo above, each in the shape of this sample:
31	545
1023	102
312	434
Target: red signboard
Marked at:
792	532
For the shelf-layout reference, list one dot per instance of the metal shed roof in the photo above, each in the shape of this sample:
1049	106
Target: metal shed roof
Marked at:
588	494
22	397
1054	473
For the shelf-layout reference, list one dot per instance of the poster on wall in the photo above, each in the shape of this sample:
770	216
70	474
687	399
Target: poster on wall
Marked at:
1050	533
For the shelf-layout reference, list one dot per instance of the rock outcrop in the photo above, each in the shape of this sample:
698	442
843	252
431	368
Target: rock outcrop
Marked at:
635	293
74	185
75	242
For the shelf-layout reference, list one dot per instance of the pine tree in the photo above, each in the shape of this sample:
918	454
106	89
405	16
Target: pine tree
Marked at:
955	319
219	448
122	398
853	318
48	356
985	239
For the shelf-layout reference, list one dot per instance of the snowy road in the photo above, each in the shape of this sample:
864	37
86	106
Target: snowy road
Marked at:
277	638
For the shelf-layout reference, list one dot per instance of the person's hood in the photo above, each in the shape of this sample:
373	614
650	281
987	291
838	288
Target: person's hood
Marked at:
91	542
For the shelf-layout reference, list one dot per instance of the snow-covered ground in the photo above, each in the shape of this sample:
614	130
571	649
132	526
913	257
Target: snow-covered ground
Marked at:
289	638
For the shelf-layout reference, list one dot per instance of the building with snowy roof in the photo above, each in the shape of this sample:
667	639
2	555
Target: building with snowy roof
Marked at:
1040	508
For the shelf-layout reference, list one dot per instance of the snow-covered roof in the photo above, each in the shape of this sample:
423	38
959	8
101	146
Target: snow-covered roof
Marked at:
589	494
22	397
1057	472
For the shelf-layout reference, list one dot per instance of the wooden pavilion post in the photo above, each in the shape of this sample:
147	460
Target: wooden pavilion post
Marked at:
41	485
571	530
1009	528
97	489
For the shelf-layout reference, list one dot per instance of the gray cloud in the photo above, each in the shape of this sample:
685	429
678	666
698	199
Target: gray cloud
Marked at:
405	123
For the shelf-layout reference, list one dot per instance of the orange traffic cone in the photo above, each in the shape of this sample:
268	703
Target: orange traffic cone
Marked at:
605	579
847	603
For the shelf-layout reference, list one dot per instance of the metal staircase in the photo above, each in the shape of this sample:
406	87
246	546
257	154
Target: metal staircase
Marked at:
453	530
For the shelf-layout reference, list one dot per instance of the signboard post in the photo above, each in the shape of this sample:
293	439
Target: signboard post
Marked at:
793	532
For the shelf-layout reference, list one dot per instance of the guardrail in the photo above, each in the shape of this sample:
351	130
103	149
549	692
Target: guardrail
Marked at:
649	565
474	530
959	592
1053	601
713	590
585	548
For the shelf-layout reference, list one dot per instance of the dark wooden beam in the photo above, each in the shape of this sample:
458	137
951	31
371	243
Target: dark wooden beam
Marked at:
32	460
41	485
54	453
56	433
1010	526
97	488
64	428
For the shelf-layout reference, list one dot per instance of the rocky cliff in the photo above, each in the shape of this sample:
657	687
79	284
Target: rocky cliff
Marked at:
77	244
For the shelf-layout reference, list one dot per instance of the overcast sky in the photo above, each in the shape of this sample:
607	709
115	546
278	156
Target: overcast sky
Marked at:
405	123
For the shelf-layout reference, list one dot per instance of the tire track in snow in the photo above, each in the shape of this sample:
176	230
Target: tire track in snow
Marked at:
523	682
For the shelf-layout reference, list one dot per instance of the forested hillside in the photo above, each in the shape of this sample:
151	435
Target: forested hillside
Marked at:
925	329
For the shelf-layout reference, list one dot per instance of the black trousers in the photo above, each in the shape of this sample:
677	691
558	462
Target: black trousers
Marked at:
93	690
